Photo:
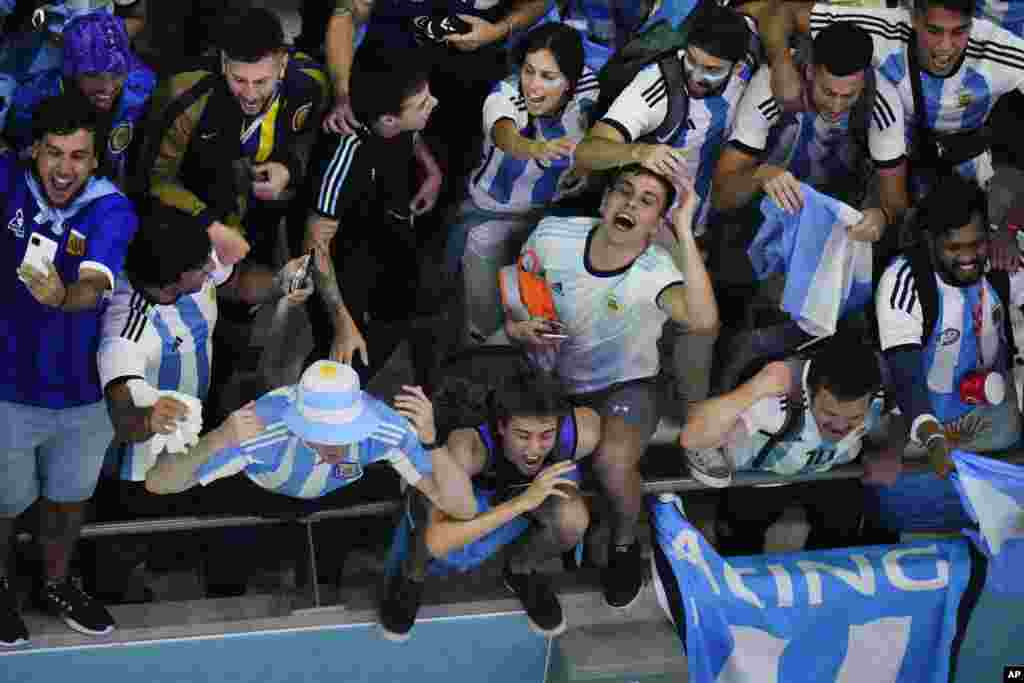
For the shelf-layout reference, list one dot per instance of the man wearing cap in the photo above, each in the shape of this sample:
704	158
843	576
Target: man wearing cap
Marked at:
308	440
942	320
612	290
100	65
850	125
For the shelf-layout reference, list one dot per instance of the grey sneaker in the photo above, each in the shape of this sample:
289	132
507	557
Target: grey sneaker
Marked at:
710	466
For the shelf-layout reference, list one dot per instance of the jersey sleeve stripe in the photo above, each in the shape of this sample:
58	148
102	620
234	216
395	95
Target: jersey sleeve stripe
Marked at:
651	89
652	103
769	108
876	26
337	172
882	113
993	49
1002	61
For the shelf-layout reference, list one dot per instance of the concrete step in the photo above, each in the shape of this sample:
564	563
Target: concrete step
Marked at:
647	651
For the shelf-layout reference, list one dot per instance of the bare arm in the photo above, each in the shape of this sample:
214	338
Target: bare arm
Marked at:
176	473
736	179
136	424
894	197
604	148
776	27
445	534
85	293
448	487
692	304
710	422
339	47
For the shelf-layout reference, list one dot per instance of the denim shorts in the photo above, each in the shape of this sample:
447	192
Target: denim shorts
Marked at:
56	454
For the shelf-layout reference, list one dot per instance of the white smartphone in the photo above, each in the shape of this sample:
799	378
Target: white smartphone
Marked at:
40	249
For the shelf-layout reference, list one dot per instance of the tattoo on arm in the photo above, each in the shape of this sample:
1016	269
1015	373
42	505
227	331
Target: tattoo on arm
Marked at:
326	284
343	7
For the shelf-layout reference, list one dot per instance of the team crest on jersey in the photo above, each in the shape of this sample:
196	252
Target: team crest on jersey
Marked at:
950	335
965	98
300	116
17	224
76	243
613	304
346	471
120	138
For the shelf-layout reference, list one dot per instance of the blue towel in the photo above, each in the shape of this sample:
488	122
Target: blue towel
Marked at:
828	275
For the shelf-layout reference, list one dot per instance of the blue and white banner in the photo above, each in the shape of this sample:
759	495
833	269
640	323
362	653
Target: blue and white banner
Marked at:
879	614
827	274
993	496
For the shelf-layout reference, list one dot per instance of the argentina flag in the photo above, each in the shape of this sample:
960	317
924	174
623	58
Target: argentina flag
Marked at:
884	614
992	493
827	274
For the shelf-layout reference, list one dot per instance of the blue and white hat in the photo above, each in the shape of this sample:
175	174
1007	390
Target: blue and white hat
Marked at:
328	406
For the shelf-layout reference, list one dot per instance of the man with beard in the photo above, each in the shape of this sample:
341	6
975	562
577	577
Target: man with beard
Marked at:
949	69
612	290
100	65
234	129
522	464
66	236
940	338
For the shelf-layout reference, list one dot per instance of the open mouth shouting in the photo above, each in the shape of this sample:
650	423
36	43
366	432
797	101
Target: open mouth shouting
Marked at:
624	221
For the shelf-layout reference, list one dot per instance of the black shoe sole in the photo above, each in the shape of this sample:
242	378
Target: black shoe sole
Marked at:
394	636
534	626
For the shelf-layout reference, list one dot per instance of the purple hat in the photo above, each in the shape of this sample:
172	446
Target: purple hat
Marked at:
96	43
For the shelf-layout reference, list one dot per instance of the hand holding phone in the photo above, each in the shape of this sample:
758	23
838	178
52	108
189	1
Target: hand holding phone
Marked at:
40	251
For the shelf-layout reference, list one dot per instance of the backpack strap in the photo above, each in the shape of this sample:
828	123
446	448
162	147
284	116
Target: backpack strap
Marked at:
1000	281
678	101
924	284
794	420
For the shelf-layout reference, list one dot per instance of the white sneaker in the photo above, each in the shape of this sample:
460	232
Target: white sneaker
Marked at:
710	466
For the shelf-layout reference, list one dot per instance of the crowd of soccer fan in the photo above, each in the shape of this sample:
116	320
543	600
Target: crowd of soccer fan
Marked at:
588	183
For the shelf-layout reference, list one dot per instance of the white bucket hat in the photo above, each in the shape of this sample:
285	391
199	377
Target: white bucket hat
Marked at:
328	406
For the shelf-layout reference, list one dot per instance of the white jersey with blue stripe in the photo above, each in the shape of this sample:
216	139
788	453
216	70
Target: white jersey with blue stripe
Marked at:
814	150
507	185
612	318
281	462
643	105
968	335
993	65
805	450
170	347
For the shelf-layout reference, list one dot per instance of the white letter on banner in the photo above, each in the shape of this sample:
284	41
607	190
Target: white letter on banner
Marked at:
899	579
863	582
783	584
686	546
875	651
754	658
734	579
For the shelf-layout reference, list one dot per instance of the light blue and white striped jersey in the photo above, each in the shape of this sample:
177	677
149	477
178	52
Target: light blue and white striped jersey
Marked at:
170	347
281	462
643	105
507	185
612	317
815	151
993	65
805	450
1006	13
968	334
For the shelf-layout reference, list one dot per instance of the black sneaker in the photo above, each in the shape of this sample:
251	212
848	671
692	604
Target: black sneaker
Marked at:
76	608
543	610
12	629
399	608
623	578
